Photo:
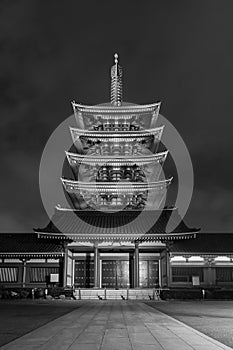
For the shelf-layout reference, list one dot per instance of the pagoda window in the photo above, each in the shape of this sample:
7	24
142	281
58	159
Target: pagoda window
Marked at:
224	274
184	274
194	259
116	201
223	259
179	259
41	274
9	274
98	127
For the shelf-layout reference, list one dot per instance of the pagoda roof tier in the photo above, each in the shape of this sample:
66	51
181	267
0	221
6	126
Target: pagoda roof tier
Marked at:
116	142
100	226
124	116
95	159
118	195
116	136
72	186
107	108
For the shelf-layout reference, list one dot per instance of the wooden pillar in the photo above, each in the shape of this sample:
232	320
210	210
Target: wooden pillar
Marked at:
169	269
24	273
65	259
136	265
160	273
73	270
96	266
163	267
169	245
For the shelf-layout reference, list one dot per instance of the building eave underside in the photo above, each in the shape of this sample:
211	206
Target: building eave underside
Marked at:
204	254
144	159
113	135
31	255
120	109
117	226
118	237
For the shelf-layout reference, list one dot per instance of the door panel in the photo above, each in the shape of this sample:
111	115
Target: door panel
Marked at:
123	274
115	274
89	274
108	273
143	274
148	273
79	274
84	274
153	274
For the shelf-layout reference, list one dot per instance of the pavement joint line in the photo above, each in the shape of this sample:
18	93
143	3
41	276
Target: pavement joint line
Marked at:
109	314
153	334
86	304
145	306
55	320
212	340
99	308
124	314
122	311
34	330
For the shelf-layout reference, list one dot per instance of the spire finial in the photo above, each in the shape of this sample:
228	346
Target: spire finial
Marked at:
116	58
116	82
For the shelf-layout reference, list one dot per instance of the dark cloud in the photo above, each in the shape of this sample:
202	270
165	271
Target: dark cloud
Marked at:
179	52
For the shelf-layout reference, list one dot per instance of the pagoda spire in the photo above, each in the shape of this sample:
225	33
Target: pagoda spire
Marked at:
116	83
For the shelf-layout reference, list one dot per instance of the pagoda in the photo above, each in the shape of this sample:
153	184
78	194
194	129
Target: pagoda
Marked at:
115	231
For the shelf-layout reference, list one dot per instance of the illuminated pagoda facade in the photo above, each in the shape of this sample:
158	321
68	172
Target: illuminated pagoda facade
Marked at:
115	228
114	233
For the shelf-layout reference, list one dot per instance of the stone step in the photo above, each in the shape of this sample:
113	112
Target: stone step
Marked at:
117	294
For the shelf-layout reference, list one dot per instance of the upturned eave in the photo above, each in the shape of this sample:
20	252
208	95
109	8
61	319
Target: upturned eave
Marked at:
124	108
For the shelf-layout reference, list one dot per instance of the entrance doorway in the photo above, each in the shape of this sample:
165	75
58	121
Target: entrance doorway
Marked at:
116	274
148	274
119	274
84	274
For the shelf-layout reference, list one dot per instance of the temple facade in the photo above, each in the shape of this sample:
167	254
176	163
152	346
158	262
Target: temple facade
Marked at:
114	232
115	228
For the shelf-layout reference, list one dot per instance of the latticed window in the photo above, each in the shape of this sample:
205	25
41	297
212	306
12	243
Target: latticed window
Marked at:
41	274
184	274
224	274
9	274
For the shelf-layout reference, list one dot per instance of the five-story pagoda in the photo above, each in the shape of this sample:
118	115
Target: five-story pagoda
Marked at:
115	232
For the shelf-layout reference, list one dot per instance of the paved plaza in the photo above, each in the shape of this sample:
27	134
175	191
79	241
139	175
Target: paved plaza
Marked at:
106	325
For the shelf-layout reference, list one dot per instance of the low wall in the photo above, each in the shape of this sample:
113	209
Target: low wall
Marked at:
191	294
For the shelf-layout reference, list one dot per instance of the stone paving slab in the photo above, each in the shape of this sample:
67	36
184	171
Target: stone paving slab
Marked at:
114	325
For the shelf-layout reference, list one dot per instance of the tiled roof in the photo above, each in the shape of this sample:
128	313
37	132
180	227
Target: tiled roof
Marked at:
126	225
120	135
75	158
28	244
205	243
124	108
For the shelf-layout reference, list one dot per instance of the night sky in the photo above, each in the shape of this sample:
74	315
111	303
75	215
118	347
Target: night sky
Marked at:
178	52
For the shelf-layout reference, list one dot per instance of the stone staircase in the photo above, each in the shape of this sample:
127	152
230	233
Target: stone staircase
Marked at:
117	294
